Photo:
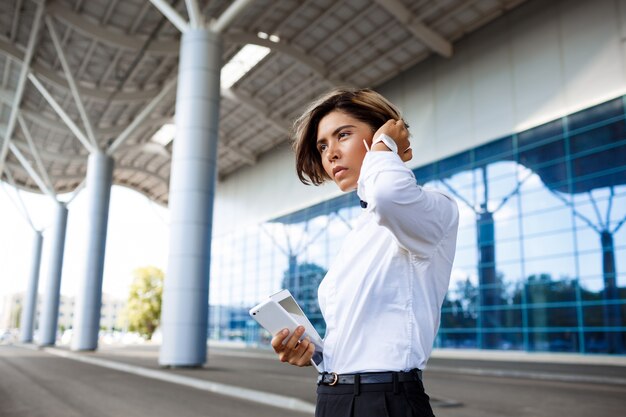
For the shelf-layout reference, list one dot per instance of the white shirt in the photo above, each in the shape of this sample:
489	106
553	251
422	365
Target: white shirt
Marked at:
382	295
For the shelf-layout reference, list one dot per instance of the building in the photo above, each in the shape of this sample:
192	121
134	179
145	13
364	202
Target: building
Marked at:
516	109
526	127
109	319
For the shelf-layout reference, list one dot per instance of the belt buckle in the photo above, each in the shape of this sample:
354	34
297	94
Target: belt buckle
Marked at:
335	379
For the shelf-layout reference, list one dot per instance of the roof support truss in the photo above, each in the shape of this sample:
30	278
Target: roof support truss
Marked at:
31	171
34	152
103	34
145	112
252	104
426	35
317	66
19	205
195	16
72	83
62	114
51	76
171	14
21	83
230	14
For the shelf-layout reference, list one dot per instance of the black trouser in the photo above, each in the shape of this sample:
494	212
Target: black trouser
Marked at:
404	399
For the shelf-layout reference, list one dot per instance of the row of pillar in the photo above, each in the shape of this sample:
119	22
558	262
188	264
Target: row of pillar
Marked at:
192	188
87	315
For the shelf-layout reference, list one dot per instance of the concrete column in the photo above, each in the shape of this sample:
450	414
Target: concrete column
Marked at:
29	307
192	187
86	323
52	290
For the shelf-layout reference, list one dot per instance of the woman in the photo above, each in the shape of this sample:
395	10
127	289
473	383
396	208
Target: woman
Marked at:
381	298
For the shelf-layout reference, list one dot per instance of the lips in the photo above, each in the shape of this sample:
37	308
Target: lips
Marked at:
337	170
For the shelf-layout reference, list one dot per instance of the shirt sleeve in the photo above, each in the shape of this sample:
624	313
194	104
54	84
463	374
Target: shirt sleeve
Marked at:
418	218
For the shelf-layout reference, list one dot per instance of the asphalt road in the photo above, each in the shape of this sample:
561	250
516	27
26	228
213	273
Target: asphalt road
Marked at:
37	383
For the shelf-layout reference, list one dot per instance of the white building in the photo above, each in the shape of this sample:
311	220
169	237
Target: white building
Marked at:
12	304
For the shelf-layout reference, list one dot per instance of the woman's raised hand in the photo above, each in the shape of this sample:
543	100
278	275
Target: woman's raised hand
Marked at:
296	352
396	130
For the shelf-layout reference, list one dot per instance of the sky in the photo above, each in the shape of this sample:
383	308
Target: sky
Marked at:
137	236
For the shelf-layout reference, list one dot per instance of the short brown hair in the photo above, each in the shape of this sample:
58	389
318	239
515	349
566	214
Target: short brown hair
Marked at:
364	104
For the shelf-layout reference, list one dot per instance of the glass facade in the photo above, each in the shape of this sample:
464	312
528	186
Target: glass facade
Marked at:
541	251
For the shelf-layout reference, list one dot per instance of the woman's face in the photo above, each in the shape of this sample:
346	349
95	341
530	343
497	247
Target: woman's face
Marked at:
340	144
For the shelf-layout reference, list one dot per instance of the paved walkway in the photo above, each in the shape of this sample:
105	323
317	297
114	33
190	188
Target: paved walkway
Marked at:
126	380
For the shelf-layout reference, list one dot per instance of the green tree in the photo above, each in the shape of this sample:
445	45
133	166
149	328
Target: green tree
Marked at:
143	309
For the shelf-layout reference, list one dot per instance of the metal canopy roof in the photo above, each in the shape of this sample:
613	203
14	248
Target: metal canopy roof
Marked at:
122	58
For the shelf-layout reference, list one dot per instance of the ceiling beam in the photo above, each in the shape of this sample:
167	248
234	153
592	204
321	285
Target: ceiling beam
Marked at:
21	83
171	14
35	152
229	15
195	16
16	19
106	35
53	124
143	114
147	147
122	168
72	83
47	156
62	114
19	205
241	154
99	94
256	107
285	48
423	33
31	171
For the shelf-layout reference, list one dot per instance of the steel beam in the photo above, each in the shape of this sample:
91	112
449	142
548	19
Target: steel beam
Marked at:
229	15
21	207
51	76
21	83
171	14
105	34
34	152
302	57
72	83
195	16
423	33
31	171
249	102
145	112
62	114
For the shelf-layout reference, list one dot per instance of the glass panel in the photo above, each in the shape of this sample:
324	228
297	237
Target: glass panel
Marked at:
545	133
496	150
607	110
454	164
540	243
549	244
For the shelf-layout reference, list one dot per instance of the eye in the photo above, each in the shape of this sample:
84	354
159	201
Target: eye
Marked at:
342	135
322	147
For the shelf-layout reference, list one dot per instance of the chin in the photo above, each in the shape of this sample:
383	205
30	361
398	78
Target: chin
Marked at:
346	187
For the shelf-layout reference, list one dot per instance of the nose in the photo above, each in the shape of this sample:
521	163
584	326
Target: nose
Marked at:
333	150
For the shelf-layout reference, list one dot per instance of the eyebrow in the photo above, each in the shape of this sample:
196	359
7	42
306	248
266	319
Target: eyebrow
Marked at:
339	129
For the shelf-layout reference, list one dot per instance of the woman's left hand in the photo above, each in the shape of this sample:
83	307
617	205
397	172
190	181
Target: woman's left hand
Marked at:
396	130
295	351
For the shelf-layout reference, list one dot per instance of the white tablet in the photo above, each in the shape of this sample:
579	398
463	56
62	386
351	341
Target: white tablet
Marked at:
282	311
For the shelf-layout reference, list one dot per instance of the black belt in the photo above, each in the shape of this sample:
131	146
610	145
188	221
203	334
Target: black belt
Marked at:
369	378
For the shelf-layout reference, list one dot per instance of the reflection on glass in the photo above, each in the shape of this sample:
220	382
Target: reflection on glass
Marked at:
541	251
